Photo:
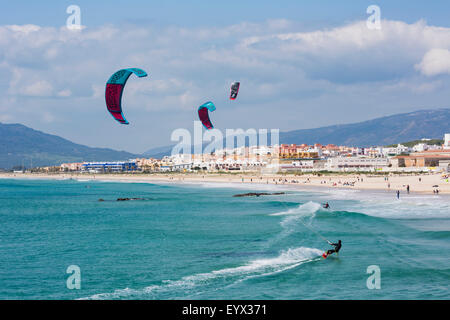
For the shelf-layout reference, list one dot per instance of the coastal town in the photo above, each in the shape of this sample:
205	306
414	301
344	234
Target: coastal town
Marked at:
423	156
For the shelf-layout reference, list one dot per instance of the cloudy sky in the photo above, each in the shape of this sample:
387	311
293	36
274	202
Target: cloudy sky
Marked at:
300	64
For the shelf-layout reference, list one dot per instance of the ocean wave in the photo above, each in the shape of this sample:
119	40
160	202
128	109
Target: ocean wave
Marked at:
386	205
404	208
287	259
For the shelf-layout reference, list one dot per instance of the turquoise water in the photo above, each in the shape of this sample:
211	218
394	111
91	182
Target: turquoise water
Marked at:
195	241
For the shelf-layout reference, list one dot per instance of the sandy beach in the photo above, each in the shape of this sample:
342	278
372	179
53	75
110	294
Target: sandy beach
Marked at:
424	183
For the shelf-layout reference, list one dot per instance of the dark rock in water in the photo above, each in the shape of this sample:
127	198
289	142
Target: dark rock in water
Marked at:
125	199
129	199
257	194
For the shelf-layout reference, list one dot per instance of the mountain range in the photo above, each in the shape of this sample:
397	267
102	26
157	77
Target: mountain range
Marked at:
23	146
20	145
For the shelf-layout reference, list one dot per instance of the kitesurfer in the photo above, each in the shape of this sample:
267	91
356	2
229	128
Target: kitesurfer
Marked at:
326	205
337	246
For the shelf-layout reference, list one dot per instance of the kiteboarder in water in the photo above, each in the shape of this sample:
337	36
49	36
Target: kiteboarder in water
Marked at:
326	206
337	246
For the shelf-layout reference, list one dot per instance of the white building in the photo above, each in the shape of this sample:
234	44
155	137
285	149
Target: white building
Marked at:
444	165
301	165
178	159
340	163
447	141
395	151
262	150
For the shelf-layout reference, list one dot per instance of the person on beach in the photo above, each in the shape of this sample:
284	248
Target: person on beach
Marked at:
407	188
337	246
398	194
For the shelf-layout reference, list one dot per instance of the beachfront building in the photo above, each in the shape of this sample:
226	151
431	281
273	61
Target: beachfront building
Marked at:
181	162
76	166
297	165
181	167
420	147
447	141
444	165
331	150
293	151
262	150
395	151
103	167
372	152
165	168
356	163
148	165
425	159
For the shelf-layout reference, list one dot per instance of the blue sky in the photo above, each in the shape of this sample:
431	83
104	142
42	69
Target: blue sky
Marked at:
301	64
219	13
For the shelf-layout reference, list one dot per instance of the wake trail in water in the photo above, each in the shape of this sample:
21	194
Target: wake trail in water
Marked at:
304	214
286	260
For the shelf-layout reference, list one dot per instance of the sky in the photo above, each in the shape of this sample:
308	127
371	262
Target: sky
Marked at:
301	64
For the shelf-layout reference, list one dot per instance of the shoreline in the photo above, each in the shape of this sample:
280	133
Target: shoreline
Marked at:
418	184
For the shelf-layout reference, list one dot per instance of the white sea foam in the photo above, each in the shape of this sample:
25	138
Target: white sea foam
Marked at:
386	205
307	209
287	259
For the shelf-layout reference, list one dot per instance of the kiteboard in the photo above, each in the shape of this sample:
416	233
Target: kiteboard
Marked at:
325	255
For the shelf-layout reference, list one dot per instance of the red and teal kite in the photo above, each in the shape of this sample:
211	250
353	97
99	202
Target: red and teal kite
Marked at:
204	116
114	90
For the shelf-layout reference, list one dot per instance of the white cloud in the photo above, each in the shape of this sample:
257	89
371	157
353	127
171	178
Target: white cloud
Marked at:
64	93
435	62
27	28
48	117
38	89
307	73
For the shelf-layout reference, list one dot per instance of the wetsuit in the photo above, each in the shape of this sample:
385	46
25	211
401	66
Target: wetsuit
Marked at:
337	247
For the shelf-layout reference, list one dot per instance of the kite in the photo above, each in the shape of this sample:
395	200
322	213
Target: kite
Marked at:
234	90
114	90
204	116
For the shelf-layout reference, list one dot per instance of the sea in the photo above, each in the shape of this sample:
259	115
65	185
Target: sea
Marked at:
72	239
